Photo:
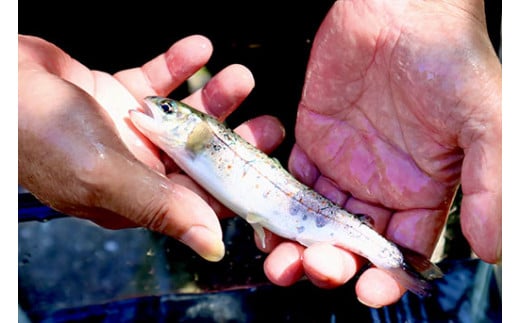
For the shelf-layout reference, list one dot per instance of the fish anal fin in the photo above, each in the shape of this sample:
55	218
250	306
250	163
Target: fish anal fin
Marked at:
199	137
254	220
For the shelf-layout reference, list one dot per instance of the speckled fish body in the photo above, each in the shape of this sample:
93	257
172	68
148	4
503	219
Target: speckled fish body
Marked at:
257	188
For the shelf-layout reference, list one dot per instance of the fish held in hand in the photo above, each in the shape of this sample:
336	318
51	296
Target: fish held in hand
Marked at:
257	188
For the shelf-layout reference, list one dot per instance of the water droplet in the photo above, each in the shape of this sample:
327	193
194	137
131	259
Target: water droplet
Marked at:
111	246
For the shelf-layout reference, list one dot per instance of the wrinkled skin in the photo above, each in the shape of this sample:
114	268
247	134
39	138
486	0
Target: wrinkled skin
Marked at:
401	104
79	153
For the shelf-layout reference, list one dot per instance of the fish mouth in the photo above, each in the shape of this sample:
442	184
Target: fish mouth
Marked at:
147	121
153	105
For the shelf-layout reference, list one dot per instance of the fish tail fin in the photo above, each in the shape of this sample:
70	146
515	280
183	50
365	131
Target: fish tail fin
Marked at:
416	272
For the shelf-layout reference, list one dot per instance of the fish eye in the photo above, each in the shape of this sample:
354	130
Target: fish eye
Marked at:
166	107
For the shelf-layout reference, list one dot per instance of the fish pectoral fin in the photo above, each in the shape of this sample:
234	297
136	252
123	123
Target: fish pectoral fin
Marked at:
199	137
252	218
255	220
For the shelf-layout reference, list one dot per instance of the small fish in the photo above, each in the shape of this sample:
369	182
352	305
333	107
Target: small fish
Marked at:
257	188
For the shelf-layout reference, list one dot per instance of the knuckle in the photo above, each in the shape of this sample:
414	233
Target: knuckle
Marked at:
94	176
154	216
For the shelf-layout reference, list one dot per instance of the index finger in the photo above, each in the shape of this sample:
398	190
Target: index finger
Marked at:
164	73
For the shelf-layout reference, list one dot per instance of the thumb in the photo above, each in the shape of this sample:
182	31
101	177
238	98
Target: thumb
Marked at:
481	207
151	200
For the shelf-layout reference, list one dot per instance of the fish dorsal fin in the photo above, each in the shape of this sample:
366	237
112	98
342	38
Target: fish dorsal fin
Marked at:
367	220
199	137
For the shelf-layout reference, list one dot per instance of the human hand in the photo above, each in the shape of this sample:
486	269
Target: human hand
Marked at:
79	153
401	104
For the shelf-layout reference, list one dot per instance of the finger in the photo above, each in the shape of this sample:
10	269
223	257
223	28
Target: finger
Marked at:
302	168
283	266
378	216
264	132
330	190
329	267
106	219
116	102
218	208
169	164
161	205
417	230
374	215
481	206
167	71
376	288
224	92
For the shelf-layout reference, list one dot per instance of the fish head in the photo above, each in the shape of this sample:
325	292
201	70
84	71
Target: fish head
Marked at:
167	122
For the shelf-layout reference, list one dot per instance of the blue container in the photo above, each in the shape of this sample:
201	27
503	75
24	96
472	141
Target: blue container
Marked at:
71	270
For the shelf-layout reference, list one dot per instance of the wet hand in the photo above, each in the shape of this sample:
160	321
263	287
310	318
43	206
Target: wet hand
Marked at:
401	105
79	153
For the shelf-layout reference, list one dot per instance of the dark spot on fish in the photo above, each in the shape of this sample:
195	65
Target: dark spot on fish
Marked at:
321	221
300	229
385	253
293	209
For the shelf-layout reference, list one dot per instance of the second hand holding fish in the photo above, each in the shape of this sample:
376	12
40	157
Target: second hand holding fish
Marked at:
257	188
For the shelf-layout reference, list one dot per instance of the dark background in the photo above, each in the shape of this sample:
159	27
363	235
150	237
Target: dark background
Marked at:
272	40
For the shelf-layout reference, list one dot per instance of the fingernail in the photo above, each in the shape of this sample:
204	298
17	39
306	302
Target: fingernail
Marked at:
369	304
205	242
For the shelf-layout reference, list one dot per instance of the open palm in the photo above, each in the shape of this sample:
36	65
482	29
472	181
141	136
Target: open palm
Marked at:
401	104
